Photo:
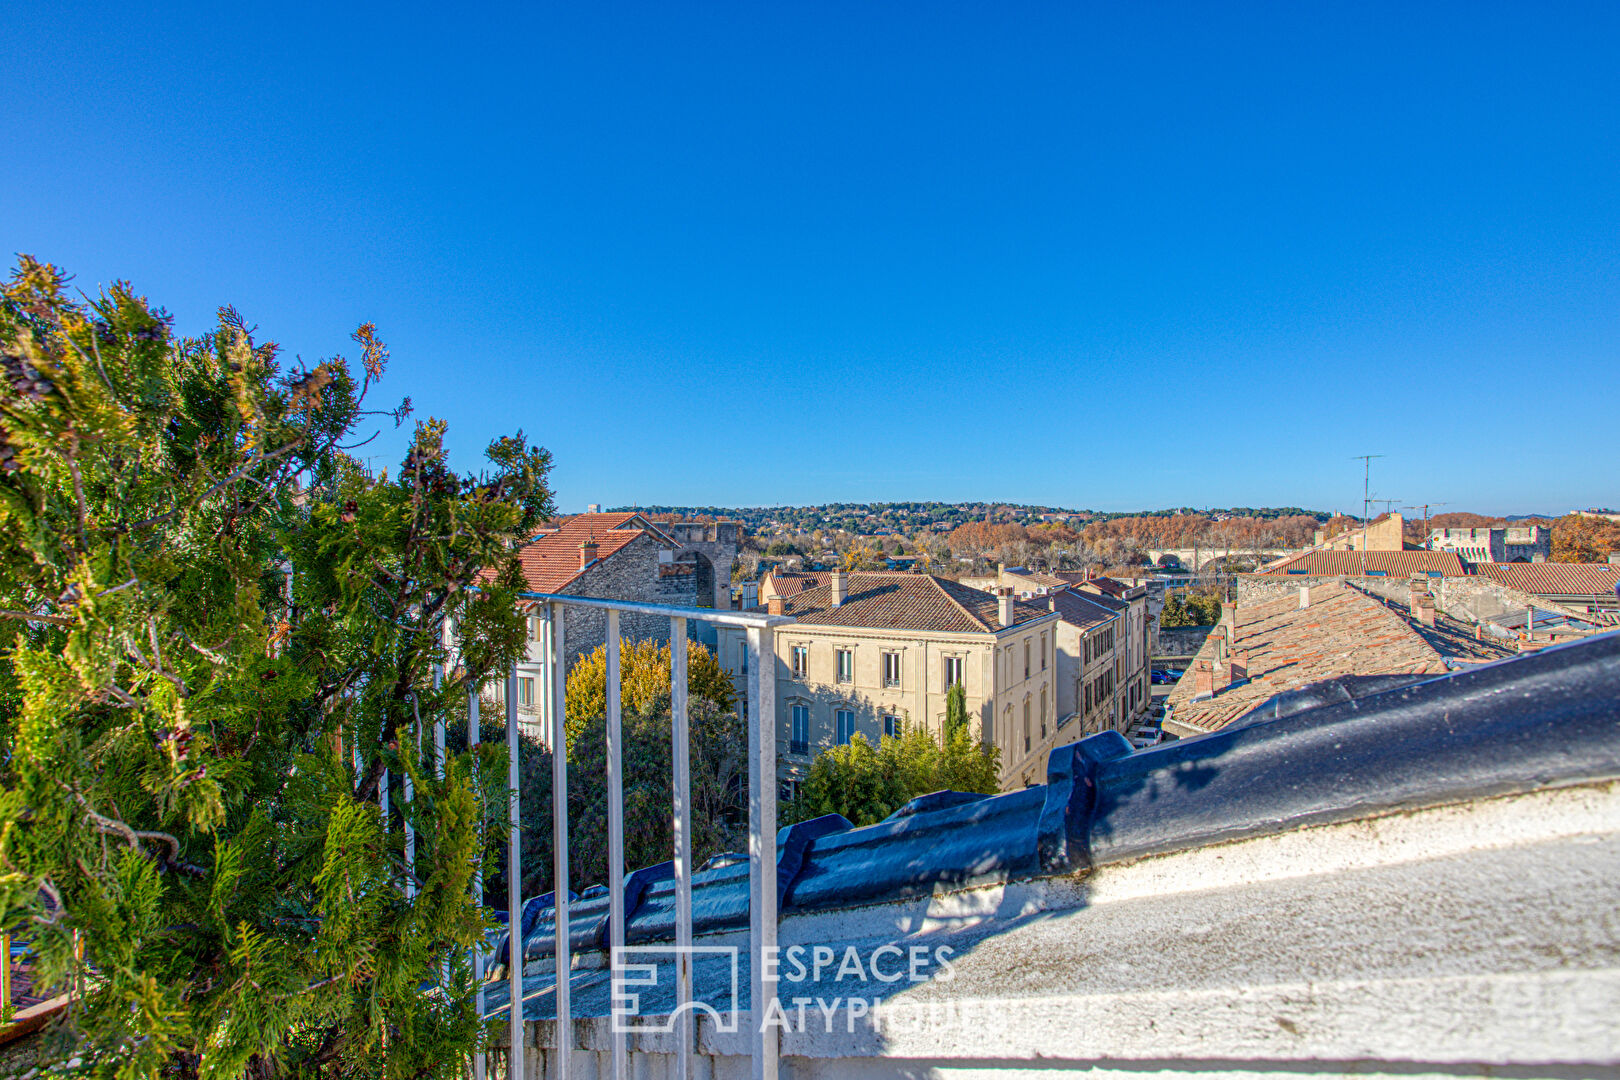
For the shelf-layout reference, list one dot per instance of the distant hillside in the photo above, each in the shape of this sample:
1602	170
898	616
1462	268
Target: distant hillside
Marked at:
912	516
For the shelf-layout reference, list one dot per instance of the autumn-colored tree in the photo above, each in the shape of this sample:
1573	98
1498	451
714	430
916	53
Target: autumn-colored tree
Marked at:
643	681
219	632
1583	538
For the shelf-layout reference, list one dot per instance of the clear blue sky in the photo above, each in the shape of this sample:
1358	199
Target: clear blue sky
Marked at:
1111	256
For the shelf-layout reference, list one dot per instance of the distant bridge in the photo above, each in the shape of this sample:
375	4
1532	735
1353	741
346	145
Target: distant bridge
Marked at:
1206	555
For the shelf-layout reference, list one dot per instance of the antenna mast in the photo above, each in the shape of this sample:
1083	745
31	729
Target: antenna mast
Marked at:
1366	501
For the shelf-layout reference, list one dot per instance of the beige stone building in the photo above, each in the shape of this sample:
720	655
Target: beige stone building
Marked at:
872	651
1384	533
1129	632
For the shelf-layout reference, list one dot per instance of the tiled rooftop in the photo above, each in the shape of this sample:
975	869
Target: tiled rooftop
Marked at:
1082	609
902	600
552	560
1383	563
1342	632
1553	578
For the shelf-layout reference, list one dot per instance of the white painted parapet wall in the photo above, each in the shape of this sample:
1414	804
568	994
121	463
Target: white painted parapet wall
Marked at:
1480	939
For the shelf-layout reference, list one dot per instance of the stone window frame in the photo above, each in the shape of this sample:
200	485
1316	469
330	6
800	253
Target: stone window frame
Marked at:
848	708
809	706
885	655
794	651
840	651
959	657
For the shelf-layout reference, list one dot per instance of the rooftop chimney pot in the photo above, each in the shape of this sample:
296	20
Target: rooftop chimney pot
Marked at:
587	553
1304	596
1004	606
776	605
840	587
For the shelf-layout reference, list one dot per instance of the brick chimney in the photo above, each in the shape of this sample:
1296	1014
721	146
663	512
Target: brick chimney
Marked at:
776	605
1203	679
1423	608
1304	596
1229	622
1004	605
840	587
587	553
1238	668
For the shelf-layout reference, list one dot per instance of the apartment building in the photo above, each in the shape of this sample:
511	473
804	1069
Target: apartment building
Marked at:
1091	637
872	651
1130	655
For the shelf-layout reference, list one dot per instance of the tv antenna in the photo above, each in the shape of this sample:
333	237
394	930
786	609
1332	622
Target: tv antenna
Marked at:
1366	501
1425	508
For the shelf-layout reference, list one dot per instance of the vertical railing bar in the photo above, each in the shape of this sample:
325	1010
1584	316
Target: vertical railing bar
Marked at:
410	797
559	832
480	1062
681	826
615	882
761	845
514	883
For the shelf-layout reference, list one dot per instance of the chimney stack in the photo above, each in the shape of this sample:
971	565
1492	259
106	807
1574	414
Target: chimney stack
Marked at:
1304	596
1238	669
1203	680
587	553
1004	606
840	587
1423	608
776	605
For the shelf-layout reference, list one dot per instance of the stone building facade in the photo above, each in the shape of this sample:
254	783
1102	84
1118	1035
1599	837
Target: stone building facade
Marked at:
1496	544
872	651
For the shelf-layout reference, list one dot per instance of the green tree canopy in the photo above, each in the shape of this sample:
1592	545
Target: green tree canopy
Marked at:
867	783
208	609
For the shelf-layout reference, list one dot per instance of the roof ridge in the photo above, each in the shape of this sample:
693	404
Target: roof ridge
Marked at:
939	583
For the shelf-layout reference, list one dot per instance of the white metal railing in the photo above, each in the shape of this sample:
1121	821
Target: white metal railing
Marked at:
761	714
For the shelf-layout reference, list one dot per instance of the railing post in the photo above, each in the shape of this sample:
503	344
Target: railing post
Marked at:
514	882
559	838
480	1061
681	827
762	844
615	882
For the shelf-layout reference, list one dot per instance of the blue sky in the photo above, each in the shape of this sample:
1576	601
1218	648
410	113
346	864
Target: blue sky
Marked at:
1107	256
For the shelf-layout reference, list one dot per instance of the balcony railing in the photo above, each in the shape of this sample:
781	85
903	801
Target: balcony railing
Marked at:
761	713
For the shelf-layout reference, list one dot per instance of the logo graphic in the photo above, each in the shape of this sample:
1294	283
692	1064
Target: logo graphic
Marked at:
652	972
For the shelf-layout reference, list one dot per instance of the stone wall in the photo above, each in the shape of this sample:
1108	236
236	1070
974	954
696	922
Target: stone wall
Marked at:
1466	599
1181	640
1265	588
631	573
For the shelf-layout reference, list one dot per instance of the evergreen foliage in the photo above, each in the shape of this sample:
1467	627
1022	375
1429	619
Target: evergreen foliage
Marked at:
206	607
867	783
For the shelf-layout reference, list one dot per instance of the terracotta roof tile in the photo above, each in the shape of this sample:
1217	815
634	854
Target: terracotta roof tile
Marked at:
1553	579
1343	632
902	600
552	560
